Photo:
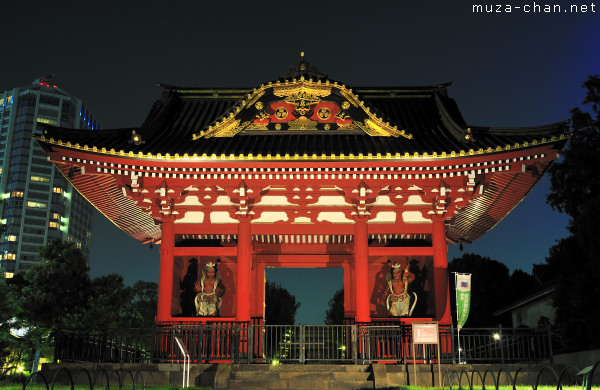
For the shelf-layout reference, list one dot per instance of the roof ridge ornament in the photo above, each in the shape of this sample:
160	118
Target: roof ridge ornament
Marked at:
303	69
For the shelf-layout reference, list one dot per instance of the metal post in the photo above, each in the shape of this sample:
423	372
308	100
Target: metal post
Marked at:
354	344
302	343
549	333
452	346
250	347
500	341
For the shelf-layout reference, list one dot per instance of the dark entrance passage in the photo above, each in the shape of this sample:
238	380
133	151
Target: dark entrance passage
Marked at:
312	287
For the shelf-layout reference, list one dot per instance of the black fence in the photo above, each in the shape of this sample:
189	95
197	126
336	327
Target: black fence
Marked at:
247	343
503	345
456	377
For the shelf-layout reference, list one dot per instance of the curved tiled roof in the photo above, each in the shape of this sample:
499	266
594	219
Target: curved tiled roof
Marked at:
426	113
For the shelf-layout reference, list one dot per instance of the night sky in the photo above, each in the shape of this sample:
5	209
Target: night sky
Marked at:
508	69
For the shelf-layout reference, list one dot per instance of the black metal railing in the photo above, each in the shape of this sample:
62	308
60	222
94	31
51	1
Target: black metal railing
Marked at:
302	343
504	345
115	345
250	343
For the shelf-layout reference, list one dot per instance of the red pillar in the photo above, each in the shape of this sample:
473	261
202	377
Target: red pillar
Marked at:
440	264
165	277
361	270
244	264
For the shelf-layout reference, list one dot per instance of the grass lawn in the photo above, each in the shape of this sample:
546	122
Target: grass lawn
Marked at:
38	386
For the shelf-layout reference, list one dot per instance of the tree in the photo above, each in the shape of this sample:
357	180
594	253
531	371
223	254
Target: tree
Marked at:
489	287
521	284
335	314
57	288
575	181
142	308
107	305
575	260
281	306
7	314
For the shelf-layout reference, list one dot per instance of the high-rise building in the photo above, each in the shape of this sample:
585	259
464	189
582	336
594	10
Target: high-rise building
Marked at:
38	204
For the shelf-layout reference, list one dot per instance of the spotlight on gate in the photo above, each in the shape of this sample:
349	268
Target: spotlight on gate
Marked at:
496	336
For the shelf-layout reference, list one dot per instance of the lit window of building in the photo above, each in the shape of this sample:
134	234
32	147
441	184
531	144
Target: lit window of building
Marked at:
11	238
53	224
40	179
47	121
38	205
57	190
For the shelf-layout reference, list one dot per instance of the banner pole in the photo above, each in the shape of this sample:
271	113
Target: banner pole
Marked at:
459	349
457	323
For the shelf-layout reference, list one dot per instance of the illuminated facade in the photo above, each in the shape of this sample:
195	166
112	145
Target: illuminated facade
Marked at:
38	203
305	172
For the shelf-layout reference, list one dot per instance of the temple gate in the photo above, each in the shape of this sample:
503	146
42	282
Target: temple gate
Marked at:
304	171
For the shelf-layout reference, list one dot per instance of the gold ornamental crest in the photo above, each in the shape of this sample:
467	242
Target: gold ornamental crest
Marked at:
302	95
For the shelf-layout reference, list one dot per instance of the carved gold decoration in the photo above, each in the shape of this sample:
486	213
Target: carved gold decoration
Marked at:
227	128
302	94
324	113
306	88
350	126
262	114
303	124
281	113
256	126
252	99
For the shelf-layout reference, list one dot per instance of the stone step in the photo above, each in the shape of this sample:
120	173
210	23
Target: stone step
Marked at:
321	375
298	384
351	375
301	367
250	375
300	376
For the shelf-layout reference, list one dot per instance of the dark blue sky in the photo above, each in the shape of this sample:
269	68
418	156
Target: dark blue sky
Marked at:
508	69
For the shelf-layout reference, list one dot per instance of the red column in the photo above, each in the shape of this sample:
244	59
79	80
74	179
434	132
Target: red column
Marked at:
361	270
244	263
165	277
440	273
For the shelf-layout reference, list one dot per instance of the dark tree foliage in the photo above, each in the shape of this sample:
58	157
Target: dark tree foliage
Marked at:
335	314
281	306
490	283
107	304
112	305
521	284
575	261
576	297
8	311
142	308
575	181
57	288
58	294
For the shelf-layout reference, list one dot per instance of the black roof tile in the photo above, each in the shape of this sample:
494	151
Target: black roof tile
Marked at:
432	118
